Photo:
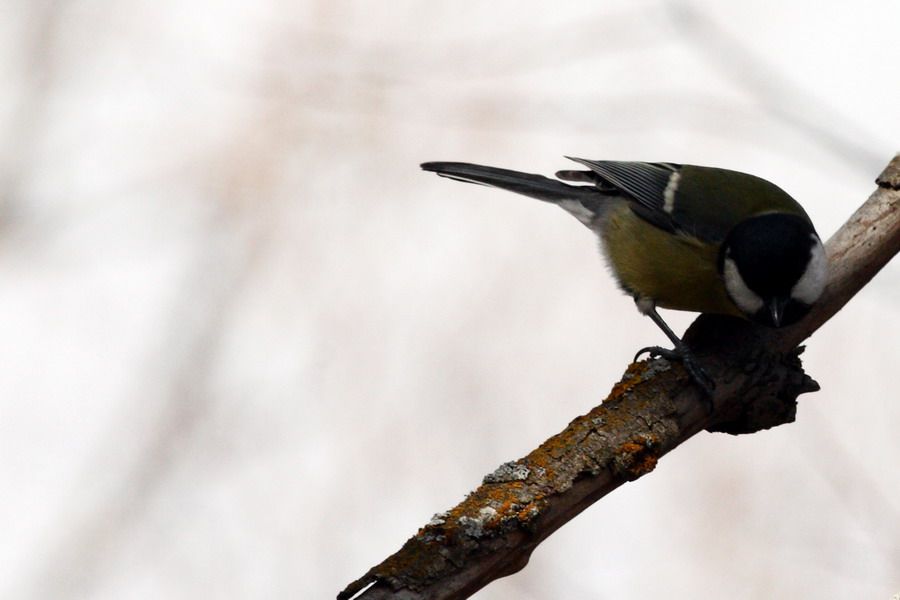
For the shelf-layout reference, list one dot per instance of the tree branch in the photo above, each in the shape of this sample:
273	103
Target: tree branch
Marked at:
653	409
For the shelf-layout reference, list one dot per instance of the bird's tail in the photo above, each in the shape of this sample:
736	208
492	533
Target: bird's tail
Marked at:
583	202
533	186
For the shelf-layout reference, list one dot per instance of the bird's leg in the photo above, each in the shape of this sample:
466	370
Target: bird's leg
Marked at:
681	352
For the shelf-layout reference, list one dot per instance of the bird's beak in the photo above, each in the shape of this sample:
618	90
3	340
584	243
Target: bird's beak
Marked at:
776	309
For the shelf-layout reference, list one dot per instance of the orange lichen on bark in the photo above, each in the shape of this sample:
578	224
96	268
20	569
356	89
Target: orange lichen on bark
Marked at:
638	456
633	376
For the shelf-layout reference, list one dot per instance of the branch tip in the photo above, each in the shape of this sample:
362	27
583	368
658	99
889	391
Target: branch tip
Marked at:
890	177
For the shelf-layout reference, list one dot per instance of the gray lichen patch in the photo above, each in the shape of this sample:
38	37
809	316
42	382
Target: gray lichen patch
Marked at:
474	526
660	365
508	471
439	518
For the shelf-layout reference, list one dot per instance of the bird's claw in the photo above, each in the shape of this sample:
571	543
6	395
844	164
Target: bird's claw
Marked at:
706	383
658	352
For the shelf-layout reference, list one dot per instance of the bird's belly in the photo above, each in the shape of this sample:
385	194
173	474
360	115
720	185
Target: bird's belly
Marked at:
675	271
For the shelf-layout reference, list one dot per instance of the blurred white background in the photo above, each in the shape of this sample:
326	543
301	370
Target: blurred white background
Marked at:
249	348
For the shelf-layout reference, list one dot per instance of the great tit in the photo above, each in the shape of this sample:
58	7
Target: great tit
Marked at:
684	237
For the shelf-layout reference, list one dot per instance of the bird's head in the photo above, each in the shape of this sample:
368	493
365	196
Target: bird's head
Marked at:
774	268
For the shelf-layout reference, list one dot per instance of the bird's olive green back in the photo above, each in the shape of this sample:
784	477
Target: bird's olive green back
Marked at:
710	201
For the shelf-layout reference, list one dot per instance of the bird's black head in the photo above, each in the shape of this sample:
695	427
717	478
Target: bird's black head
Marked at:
774	268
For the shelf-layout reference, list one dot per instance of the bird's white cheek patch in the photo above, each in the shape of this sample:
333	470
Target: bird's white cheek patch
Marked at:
812	283
746	299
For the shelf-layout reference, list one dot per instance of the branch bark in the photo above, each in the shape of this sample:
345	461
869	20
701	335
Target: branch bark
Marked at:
653	409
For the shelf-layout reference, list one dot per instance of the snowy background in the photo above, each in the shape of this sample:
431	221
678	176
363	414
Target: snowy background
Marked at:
233	310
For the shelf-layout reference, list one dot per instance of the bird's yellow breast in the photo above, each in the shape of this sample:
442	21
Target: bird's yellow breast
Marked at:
676	271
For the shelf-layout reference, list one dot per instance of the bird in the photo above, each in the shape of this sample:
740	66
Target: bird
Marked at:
684	237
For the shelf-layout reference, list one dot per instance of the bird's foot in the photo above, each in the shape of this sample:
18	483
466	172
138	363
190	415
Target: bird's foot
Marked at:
684	356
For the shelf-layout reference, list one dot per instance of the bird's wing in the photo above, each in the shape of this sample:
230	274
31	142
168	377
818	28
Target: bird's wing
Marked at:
651	187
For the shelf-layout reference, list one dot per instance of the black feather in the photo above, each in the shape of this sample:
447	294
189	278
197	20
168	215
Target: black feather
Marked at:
645	183
528	184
